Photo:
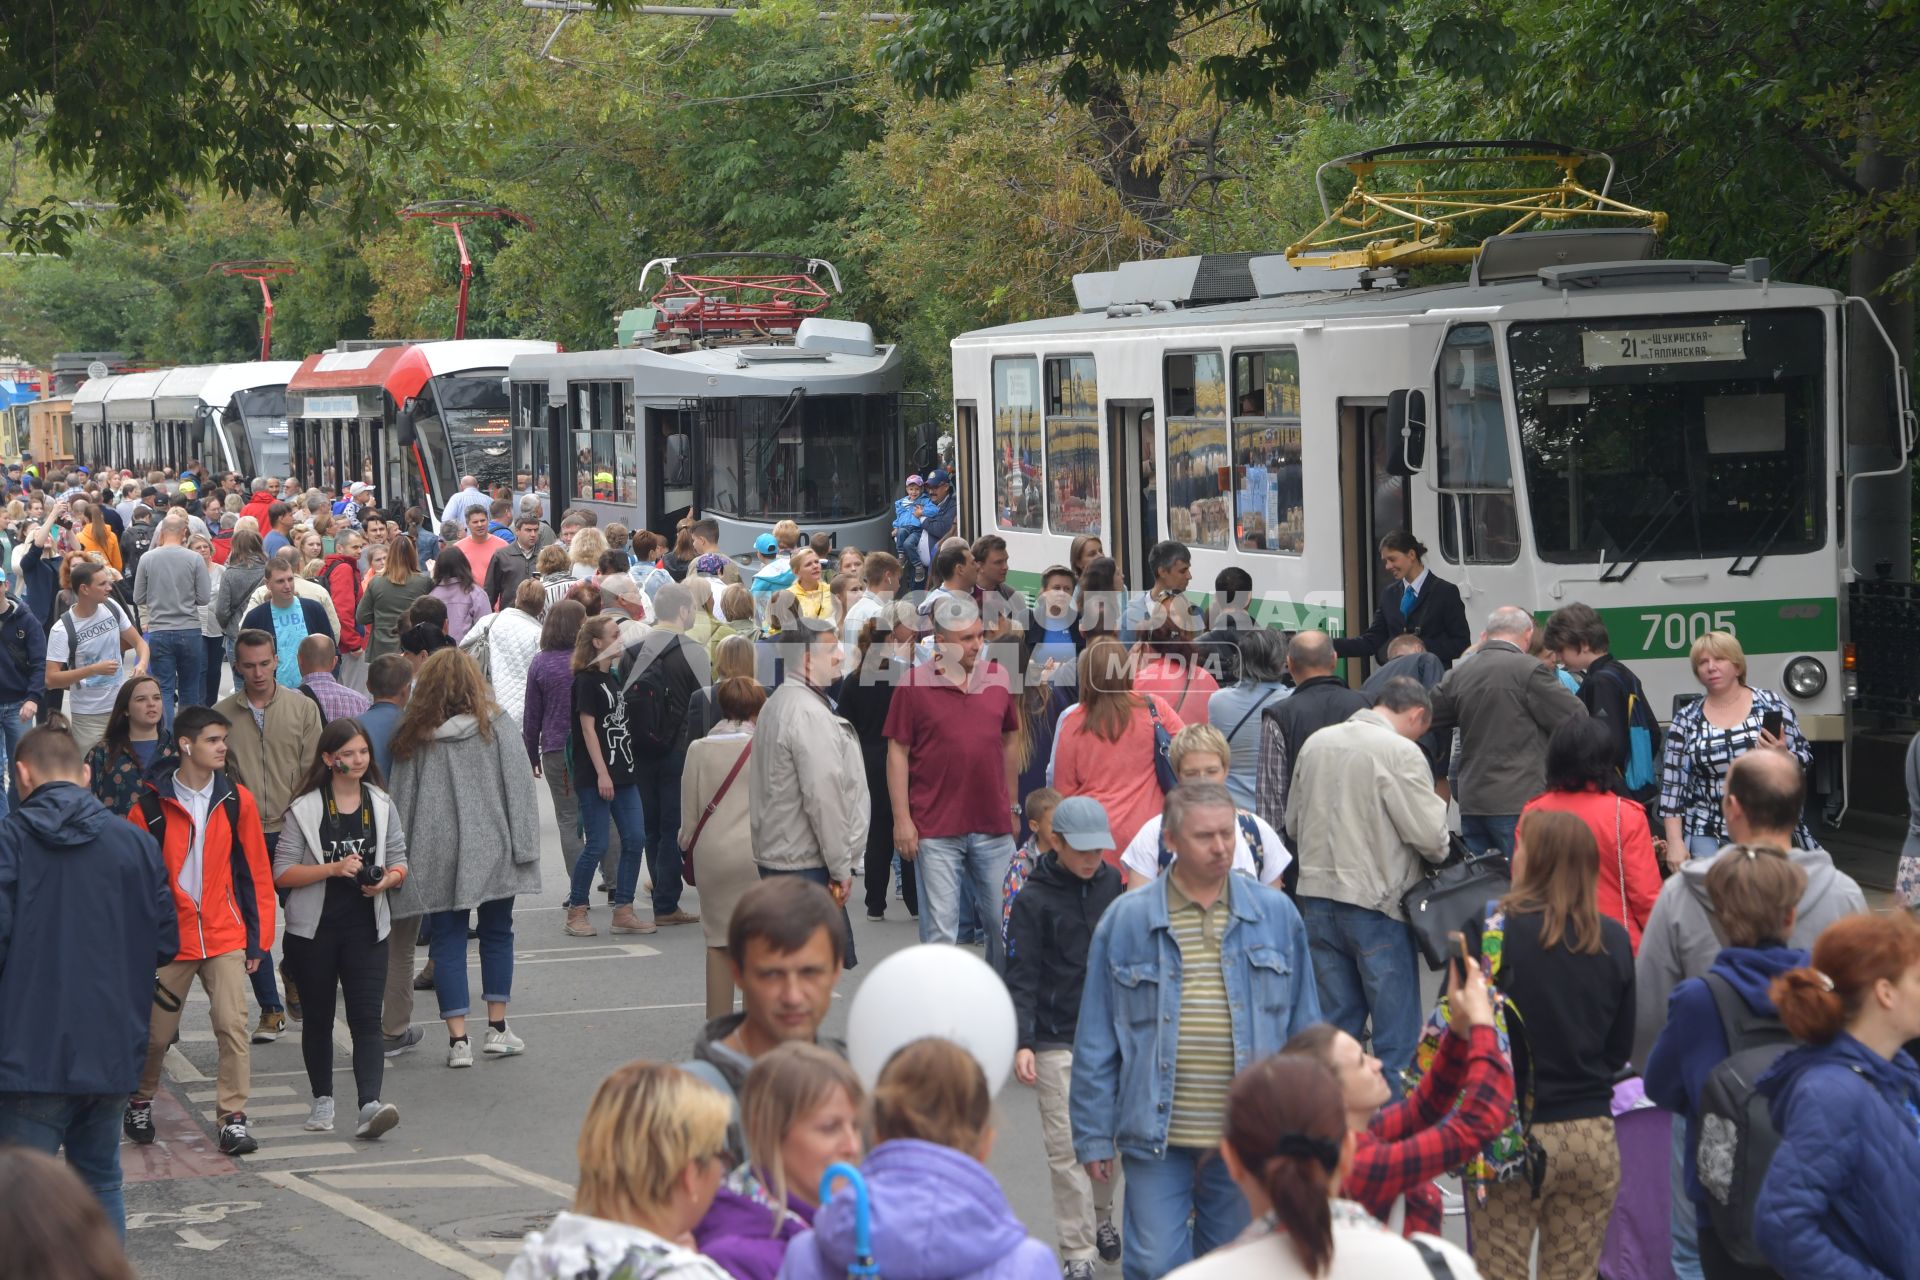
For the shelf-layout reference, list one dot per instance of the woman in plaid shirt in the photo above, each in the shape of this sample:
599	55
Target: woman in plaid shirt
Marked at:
1457	1108
1707	736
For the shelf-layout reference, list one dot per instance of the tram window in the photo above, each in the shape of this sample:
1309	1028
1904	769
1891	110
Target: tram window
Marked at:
1716	453
1268	494
801	457
530	429
1478	520
1073	446
1197	454
1017	477
603	469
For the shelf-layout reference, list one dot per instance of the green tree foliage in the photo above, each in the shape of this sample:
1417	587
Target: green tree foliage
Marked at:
138	104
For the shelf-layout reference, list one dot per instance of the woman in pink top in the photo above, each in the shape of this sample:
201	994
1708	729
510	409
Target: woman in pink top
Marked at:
1104	747
1169	666
454	587
1582	773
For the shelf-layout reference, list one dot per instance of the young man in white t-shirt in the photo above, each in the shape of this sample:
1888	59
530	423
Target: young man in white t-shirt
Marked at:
86	653
1199	753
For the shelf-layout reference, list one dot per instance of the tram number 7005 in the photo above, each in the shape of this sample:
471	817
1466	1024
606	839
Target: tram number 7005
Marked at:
1675	632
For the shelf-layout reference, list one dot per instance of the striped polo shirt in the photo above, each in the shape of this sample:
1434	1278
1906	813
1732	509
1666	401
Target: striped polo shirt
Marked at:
1203	1055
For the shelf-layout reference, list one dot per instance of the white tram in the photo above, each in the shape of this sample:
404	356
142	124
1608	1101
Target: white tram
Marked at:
1662	440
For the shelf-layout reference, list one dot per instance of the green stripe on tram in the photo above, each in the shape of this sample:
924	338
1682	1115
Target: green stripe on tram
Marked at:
1809	625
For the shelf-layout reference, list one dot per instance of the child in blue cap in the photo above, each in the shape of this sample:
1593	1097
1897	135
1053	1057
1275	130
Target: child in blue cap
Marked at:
909	513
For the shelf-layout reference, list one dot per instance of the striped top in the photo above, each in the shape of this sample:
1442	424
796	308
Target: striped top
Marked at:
1203	1055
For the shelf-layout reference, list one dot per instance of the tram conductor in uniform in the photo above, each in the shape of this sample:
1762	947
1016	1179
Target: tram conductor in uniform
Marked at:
1415	602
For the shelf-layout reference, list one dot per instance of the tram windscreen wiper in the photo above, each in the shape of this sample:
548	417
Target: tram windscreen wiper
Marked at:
1780	524
1637	550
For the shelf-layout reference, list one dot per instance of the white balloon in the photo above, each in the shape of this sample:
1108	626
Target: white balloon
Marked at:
932	990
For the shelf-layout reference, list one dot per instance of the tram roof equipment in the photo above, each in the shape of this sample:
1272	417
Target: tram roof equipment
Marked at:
90	398
184	391
130	399
1383	223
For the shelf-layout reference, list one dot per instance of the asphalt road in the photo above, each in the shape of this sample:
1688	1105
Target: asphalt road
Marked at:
480	1156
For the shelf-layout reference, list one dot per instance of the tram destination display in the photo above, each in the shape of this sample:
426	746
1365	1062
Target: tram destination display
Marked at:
1606	348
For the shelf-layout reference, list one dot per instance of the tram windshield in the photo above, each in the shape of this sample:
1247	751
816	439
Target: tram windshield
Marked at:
799	456
473	412
1662	437
265	413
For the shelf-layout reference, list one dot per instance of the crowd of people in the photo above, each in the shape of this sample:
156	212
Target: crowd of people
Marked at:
1185	841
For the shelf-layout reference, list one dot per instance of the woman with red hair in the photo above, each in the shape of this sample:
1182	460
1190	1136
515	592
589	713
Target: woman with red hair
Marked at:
1839	1195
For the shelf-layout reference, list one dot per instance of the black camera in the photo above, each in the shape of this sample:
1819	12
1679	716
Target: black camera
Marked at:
369	874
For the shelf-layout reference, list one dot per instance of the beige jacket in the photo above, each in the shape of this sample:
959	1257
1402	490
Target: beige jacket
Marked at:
1362	813
271	767
809	785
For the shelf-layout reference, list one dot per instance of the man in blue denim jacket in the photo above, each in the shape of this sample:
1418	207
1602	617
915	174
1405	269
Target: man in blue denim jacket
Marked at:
1189	981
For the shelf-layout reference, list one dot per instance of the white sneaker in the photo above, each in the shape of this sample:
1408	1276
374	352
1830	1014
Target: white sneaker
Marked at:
460	1053
320	1119
376	1118
503	1043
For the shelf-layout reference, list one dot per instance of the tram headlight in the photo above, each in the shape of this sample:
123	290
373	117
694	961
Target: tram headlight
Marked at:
1806	677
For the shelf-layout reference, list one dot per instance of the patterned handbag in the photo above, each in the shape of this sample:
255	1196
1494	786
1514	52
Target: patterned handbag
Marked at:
1513	1154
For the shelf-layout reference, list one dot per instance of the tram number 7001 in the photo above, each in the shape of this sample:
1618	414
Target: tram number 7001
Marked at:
1675	632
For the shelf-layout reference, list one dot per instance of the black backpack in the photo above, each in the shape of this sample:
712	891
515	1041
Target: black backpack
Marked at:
656	702
1737	1137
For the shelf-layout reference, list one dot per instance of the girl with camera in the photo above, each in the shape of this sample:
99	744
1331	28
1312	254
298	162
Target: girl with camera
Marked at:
340	853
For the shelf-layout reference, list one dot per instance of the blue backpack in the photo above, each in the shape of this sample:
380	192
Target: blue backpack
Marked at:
1640	771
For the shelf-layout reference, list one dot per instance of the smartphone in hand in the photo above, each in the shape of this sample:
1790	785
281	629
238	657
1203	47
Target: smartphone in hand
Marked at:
1458	961
1773	722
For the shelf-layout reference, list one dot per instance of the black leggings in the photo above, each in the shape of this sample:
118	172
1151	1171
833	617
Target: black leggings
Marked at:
879	854
351	958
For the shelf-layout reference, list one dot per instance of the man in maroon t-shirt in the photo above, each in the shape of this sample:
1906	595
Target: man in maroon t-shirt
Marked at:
951	768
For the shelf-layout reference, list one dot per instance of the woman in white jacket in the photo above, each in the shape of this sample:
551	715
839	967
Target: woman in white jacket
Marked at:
1287	1147
340	852
653	1149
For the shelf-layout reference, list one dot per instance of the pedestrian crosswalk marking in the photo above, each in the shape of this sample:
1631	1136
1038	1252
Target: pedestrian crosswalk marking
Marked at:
301	1151
401	1181
400	1233
268	1112
265	1091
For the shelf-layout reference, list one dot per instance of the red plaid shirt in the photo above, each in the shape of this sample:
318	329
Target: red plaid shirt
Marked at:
1414	1141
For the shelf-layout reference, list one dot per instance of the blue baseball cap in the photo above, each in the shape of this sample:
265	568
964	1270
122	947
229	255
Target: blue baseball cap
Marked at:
765	544
1082	823
939	475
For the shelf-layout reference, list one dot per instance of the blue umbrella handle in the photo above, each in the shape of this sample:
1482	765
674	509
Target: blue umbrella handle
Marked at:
863	1267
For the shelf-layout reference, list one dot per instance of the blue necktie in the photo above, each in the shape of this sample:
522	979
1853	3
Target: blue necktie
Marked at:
1407	596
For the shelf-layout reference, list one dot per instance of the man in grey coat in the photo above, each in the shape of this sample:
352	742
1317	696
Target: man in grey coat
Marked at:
806	773
1506	704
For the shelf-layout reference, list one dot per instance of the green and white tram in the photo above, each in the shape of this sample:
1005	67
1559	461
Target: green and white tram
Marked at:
1662	440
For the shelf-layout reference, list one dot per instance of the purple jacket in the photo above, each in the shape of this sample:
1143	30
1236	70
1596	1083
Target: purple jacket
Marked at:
738	1233
937	1215
549	702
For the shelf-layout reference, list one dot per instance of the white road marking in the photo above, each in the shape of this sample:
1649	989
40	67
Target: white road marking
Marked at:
184	1071
539	1181
191	1239
411	1238
268	1112
270	1091
491	1248
627	1008
400	1181
301	1151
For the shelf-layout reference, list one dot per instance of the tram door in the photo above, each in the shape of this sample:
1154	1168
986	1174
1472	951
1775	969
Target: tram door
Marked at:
1373	503
1132	517
967	452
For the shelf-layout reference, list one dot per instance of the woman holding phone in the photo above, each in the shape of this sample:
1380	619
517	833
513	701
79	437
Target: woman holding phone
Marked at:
1705	739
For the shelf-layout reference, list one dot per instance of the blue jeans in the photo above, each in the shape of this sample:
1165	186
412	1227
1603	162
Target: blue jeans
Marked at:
180	665
949	866
11	731
1161	1194
1364	964
216	647
1702	846
265	990
624	811
87	1124
1685	1229
448	951
659	780
1483	831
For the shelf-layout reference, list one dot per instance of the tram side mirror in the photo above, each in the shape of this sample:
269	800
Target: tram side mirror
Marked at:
403	428
1406	432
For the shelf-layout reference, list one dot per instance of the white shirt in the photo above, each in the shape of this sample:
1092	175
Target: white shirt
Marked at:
1419	584
867	606
461	503
1142	856
198	805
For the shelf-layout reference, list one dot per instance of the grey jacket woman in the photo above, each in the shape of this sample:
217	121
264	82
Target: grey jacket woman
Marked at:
238	582
300	845
469	801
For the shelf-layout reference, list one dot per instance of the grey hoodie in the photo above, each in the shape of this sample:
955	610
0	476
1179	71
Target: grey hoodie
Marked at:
1679	941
